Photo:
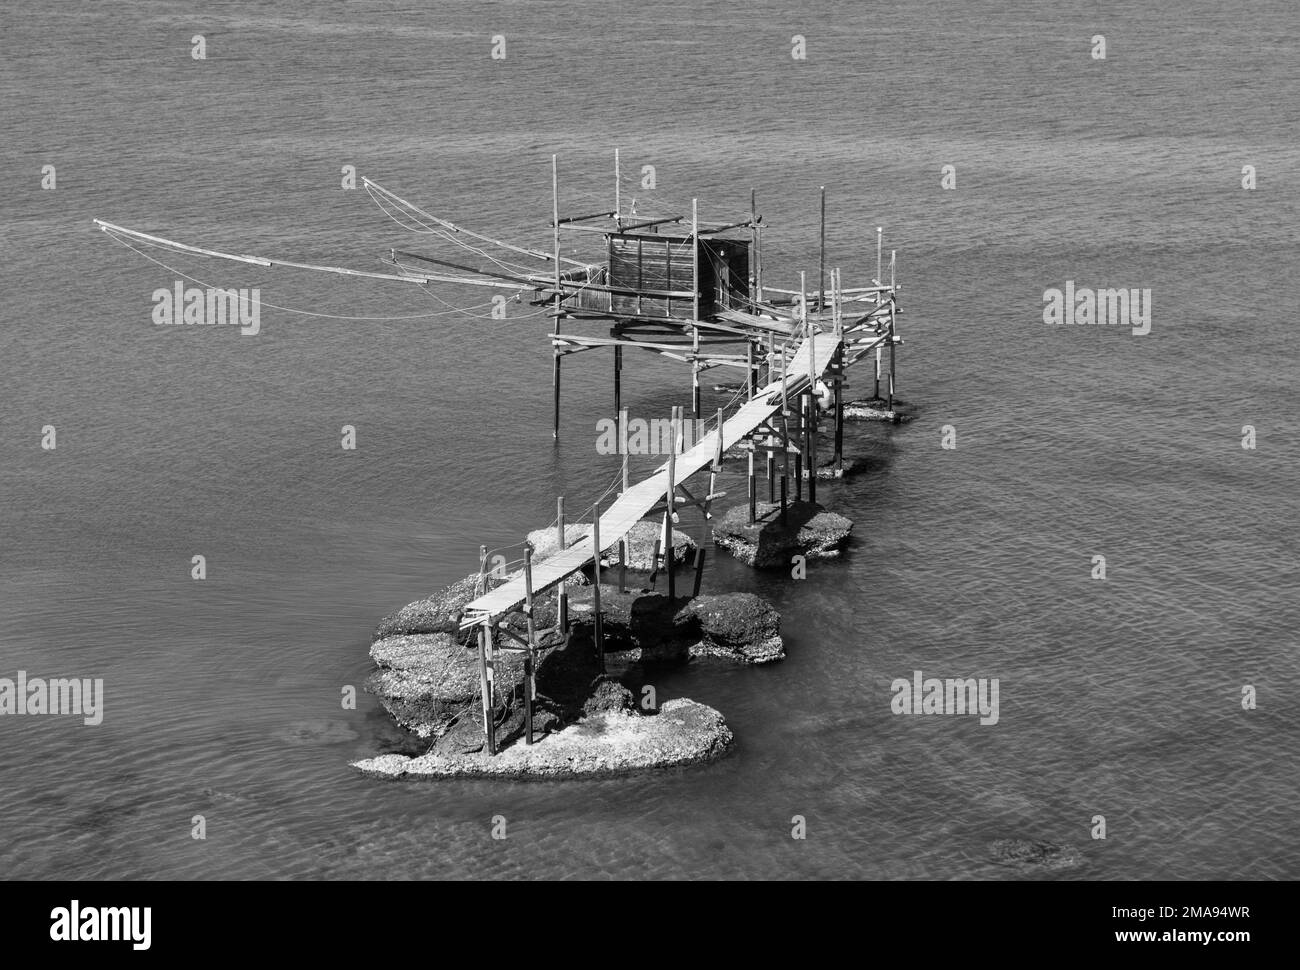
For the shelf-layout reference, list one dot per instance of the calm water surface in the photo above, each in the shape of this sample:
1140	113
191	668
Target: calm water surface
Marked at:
1118	698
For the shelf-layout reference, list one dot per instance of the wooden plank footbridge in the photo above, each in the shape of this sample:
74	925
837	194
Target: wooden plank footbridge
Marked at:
695	295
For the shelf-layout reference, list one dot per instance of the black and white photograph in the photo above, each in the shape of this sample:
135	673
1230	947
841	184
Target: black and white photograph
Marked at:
547	440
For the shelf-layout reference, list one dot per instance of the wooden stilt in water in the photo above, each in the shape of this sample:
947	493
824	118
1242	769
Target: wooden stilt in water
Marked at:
891	335
561	596
598	625
532	640
654	562
811	423
695	308
838	375
699	571
555	223
754	285
821	263
618	379
622	565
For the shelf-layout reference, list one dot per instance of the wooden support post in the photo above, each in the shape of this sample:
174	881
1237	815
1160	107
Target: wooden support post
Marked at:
622	565
753	249
797	414
561	596
752	494
837	372
699	571
879	242
555	223
771	472
812	446
618	190
622	445
785	461
891	333
751	376
618	378
654	562
529	686
695	308
598	625
482	570
485	687
714	470
672	490
821	268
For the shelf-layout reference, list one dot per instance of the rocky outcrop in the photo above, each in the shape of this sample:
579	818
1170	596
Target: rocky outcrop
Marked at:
646	628
809	530
877	409
439	613
850	465
740	627
431	685
608	742
428	677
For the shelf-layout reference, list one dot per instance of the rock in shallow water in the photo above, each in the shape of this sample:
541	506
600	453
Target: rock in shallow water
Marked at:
643	627
809	531
1024	854
611	742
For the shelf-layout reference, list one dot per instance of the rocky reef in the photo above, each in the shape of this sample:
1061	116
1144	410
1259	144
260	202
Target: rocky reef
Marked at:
585	721
607	742
809	530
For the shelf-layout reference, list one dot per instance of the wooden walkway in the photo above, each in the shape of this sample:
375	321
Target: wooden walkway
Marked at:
637	502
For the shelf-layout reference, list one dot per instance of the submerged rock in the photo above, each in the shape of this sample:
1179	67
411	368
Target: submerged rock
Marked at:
736	626
1024	854
609	742
850	465
809	531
